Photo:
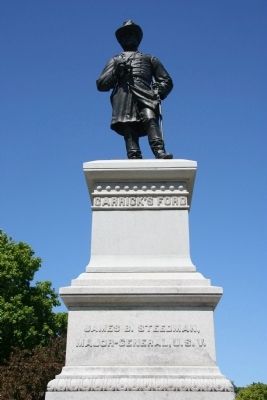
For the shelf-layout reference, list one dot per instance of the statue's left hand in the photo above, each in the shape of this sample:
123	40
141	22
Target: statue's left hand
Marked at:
156	87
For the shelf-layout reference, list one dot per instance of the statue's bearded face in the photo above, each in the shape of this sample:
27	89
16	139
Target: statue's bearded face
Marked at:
129	41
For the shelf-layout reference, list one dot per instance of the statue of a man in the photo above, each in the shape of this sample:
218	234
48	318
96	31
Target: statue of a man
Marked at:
138	82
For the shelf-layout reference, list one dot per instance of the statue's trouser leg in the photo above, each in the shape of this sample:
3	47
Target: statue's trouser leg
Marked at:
132	145
155	139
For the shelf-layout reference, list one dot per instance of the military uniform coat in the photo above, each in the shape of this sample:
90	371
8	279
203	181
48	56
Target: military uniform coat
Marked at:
133	93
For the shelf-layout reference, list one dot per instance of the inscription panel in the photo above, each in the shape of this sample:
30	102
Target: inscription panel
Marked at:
93	336
135	196
136	201
137	338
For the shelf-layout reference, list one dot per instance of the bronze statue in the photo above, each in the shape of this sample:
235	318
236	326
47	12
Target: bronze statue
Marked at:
139	82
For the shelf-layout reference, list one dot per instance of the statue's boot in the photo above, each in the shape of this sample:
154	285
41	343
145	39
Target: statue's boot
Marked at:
132	146
159	151
156	141
134	155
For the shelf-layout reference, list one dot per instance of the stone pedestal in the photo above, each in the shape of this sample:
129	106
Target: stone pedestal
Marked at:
141	316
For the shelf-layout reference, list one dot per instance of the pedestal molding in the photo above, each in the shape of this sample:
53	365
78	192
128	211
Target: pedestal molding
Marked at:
176	384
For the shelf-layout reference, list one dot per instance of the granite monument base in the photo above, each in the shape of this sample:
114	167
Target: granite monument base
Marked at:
141	317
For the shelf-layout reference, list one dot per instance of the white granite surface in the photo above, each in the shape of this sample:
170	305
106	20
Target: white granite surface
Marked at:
140	317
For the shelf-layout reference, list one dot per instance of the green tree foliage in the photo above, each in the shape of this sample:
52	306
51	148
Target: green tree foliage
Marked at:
26	374
256	391
26	311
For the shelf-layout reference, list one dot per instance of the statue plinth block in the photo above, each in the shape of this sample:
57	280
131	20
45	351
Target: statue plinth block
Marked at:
141	316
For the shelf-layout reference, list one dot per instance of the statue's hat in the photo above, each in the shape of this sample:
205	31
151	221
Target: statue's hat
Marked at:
129	26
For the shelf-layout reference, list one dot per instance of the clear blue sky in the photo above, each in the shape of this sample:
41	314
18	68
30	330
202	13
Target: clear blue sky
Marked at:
52	119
